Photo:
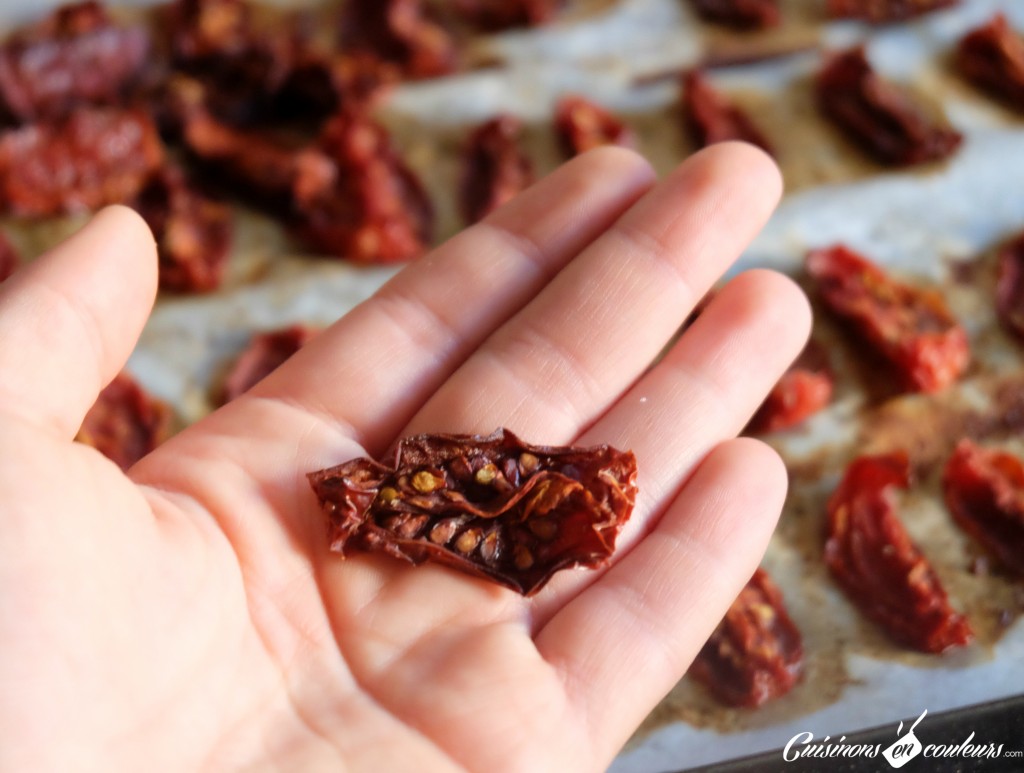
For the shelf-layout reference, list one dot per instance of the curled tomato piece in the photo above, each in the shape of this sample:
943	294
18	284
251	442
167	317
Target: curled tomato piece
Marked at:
583	125
402	32
264	354
756	653
1010	287
494	507
377	210
992	58
193	232
8	257
74	57
497	15
878	566
984	491
242	65
882	11
712	118
494	168
95	157
878	115
740	14
911	328
125	423
802	391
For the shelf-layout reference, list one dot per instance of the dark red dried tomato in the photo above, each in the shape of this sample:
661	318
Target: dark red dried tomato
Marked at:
985	493
495	168
125	423
493	507
399	31
882	11
243	65
497	15
97	156
878	115
9	259
377	210
583	125
74	57
804	390
1010	287
992	58
193	232
741	14
264	354
911	328
320	85
756	653
711	118
878	566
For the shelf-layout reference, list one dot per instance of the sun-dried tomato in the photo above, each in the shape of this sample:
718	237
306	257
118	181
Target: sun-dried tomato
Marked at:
756	653
378	210
494	168
74	57
493	506
95	157
319	85
910	327
193	232
984	491
882	11
878	115
711	118
877	564
1010	287
804	390
583	125
125	423
992	58
741	14
264	354
399	31
9	259
243	65
497	15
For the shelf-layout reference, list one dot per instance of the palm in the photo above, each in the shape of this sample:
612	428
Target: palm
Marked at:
191	614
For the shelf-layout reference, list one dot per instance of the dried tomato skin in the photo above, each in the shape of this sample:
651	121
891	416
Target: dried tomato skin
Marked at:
497	15
9	258
377	211
583	125
264	353
125	423
711	118
493	507
1010	287
193	232
803	390
74	57
740	14
494	168
984	490
402	32
911	328
756	653
95	157
882	11
881	570
992	58
878	115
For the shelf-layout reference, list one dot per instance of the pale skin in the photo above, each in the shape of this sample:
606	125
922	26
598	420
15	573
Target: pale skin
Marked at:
189	616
